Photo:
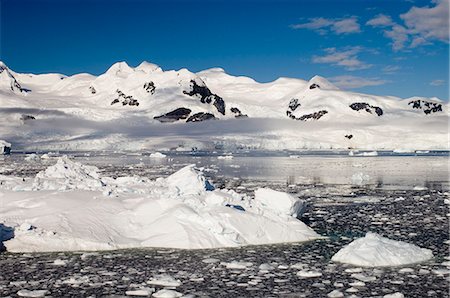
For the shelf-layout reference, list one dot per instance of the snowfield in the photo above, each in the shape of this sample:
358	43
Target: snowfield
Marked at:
376	251
70	207
148	108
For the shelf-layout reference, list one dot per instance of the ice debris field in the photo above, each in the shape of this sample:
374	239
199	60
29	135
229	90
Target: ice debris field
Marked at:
70	206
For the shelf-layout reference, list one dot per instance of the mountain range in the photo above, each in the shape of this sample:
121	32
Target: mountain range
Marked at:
148	107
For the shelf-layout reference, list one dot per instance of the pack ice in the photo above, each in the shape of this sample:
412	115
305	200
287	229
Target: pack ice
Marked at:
69	206
374	250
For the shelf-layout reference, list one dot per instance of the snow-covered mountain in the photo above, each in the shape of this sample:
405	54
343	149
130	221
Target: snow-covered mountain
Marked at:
54	111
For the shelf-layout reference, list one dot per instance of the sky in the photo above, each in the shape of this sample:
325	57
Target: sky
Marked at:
383	47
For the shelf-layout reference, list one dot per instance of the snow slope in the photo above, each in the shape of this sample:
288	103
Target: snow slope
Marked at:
145	106
69	206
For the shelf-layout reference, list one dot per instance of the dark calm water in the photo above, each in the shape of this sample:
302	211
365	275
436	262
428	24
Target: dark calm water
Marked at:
401	197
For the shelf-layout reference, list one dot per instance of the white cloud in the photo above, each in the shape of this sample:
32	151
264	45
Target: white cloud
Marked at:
324	26
346	58
380	20
437	83
421	26
429	22
391	69
353	82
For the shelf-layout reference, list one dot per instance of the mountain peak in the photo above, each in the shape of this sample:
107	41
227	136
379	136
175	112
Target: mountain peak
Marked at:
322	83
148	67
119	67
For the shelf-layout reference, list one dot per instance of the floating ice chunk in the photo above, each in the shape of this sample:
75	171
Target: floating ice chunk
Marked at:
164	293
59	262
335	294
374	250
30	293
140	292
225	157
158	155
266	267
394	295
307	274
164	280
32	157
280	203
237	265
189	181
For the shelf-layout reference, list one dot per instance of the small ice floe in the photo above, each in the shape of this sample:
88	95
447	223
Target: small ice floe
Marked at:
31	157
294	156
32	293
210	260
225	157
335	294
422	151
164	293
158	155
237	265
357	153
266	267
363	278
394	295
420	188
59	262
309	274
374	251
164	280
145	292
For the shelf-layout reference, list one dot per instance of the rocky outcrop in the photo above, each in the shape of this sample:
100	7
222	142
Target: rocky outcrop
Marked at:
92	89
206	96
25	117
125	99
349	136
313	116
314	86
7	79
237	113
293	105
357	106
428	107
175	115
150	87
201	117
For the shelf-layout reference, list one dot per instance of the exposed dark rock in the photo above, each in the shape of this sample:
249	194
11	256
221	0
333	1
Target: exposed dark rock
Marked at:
200	117
25	117
92	89
5	149
349	136
313	116
306	117
206	96
150	87
14	84
238	113
294	104
125	99
175	115
219	104
357	106
428	107
313	86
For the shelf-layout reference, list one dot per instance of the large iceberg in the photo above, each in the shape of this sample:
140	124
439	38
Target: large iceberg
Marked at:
69	206
374	250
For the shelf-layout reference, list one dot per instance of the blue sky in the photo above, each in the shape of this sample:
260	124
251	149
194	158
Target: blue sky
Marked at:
385	47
